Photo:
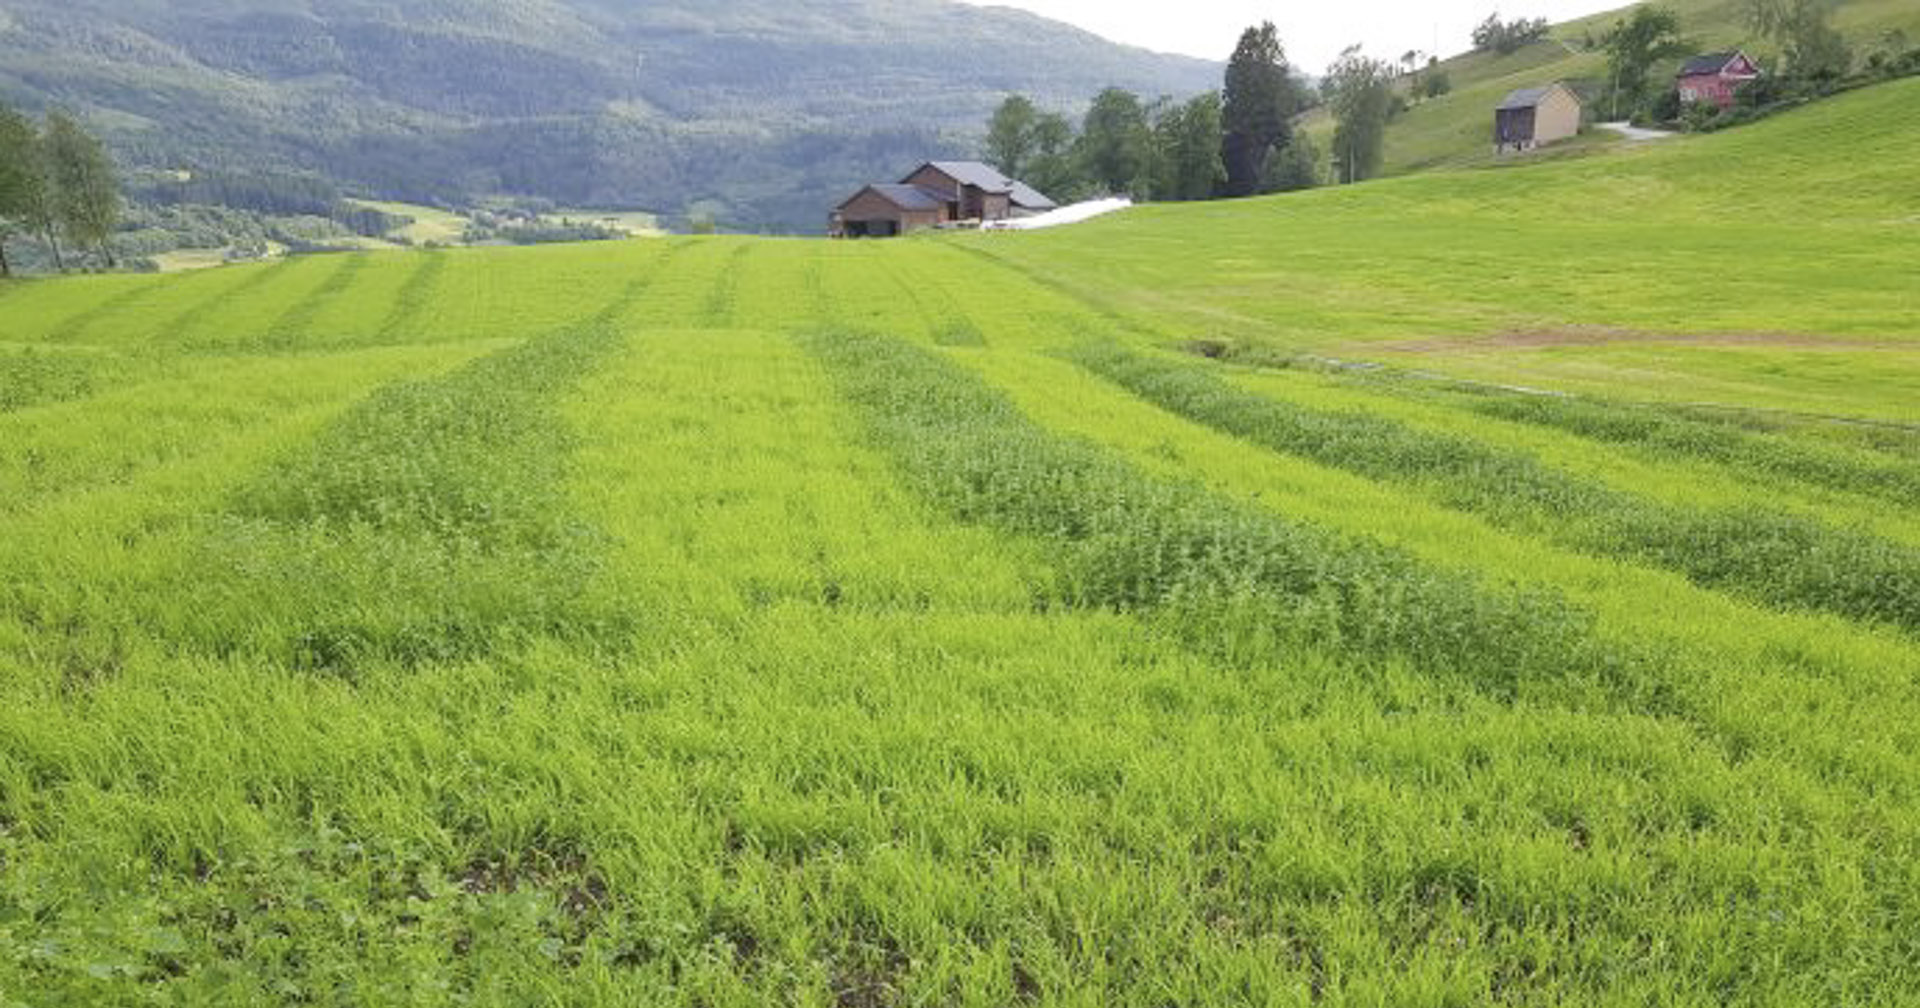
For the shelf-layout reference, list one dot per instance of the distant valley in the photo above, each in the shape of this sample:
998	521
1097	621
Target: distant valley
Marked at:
755	112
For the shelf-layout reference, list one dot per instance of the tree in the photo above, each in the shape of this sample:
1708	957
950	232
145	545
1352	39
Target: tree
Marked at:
1257	109
1805	34
1053	169
1116	143
1360	91
1010	135
1648	35
22	184
1507	37
81	179
1296	167
1187	142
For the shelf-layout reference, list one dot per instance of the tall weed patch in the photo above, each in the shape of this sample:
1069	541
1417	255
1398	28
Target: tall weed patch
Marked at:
1765	455
430	522
292	325
415	295
1242	580
1776	557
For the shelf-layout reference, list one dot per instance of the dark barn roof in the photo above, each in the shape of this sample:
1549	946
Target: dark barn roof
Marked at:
1524	98
990	179
906	197
1708	63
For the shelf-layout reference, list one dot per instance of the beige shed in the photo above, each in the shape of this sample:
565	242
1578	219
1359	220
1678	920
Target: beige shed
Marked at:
1535	117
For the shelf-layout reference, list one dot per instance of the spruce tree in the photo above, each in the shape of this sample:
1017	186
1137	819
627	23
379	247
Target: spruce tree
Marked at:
1257	108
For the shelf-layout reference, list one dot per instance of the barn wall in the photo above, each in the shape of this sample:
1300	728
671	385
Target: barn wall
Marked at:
1557	117
933	178
870	206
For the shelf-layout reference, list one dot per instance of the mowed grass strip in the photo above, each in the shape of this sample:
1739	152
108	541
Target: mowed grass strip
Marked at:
1246	582
1785	559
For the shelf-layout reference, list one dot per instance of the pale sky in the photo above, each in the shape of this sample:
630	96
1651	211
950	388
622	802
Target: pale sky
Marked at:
1314	31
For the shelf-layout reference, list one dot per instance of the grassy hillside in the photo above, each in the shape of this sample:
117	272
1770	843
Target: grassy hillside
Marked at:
734	621
768	108
1456	130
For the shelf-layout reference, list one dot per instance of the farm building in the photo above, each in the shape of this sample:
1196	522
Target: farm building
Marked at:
1714	77
1535	117
936	193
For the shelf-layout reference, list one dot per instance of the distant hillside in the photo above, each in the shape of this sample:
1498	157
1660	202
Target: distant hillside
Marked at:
1456	130
761	109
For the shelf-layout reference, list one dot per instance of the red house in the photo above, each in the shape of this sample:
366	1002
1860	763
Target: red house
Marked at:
1714	77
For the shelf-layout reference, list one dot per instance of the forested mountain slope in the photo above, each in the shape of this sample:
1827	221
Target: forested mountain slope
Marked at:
766	106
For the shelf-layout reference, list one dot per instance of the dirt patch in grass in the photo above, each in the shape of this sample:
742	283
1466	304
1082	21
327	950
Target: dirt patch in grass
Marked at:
1543	339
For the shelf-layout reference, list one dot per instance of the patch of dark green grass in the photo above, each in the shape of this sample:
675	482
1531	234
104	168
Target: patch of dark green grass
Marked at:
1756	451
415	295
1782	559
75	326
428	523
36	377
723	296
1244	581
184	326
291	326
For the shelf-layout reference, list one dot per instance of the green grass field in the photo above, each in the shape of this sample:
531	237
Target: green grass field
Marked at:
1177	609
1456	130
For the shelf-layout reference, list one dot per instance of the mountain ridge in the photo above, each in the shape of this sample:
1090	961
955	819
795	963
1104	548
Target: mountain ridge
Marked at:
754	109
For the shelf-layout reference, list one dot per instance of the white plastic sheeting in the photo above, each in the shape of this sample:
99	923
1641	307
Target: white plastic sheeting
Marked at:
1072	214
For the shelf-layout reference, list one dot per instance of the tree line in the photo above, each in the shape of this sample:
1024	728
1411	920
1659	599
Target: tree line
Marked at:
1812	59
1242	140
56	182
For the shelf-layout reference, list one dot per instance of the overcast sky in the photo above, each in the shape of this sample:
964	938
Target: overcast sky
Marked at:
1314	31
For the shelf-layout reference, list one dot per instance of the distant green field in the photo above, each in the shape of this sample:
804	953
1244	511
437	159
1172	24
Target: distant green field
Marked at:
1052	618
430	224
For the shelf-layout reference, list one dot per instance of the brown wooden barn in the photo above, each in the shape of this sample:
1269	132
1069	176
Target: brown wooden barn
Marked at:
936	193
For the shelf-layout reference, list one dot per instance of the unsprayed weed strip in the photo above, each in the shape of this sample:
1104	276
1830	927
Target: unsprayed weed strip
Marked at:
1779	558
71	329
1240	580
414	296
292	325
36	377
428	523
1666	434
180	327
1757	441
722	297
